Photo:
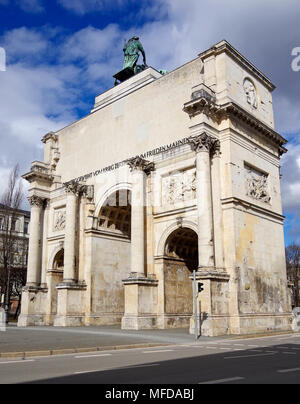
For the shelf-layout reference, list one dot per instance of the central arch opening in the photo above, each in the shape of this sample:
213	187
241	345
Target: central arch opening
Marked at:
111	258
180	259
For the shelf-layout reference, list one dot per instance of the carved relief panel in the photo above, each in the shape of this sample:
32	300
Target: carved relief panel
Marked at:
59	220
179	187
257	184
250	92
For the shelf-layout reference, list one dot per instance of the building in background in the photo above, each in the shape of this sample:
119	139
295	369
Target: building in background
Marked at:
14	239
168	174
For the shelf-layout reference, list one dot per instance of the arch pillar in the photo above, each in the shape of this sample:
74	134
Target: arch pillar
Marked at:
70	292
140	290
212	311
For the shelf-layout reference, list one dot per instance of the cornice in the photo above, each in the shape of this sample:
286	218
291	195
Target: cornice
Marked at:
225	47
252	206
39	172
231	110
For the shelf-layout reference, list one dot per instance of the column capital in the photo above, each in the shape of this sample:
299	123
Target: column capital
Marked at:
204	143
75	188
139	164
37	201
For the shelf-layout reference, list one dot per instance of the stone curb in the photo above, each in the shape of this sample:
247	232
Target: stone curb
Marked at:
53	352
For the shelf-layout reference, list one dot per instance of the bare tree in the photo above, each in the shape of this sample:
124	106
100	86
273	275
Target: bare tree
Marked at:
293	271
11	244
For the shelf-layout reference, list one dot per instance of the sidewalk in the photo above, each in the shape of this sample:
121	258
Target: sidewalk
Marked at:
41	341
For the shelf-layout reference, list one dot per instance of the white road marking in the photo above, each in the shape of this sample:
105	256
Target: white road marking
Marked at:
248	356
288	370
165	350
289	353
91	356
22	361
232	379
88	371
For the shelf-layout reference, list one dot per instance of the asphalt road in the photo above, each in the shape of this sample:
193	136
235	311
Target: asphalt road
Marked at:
272	360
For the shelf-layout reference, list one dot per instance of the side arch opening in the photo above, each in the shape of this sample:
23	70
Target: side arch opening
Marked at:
180	259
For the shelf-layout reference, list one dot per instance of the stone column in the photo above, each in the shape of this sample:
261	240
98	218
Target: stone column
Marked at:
139	168
45	246
213	318
72	190
204	145
140	291
34	249
217	208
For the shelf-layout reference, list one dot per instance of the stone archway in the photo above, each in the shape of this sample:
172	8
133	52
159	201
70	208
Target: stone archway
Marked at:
58	261
55	277
111	258
115	213
180	259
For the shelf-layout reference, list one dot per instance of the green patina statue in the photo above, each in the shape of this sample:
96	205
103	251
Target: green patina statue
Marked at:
131	54
132	50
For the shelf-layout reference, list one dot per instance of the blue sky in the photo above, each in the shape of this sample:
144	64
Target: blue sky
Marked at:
61	53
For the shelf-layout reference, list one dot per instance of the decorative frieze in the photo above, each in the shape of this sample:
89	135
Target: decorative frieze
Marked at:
257	184
179	187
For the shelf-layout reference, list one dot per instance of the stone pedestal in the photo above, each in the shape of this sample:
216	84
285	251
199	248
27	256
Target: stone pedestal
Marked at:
70	305
212	304
140	303
30	316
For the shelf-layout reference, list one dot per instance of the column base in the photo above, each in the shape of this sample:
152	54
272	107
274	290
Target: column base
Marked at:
32	306
210	326
218	325
167	321
70	305
140	302
136	322
69	321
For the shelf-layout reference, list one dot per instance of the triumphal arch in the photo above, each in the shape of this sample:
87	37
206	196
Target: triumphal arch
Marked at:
169	173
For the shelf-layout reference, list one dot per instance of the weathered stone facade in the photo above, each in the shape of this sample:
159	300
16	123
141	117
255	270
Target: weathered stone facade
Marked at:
168	174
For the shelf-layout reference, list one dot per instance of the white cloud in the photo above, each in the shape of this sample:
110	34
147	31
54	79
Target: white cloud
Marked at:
86	6
31	6
35	98
91	44
291	180
23	44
